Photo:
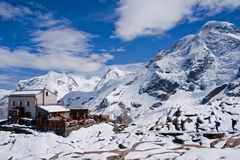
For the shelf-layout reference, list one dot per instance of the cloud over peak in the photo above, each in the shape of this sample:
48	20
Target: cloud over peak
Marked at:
154	17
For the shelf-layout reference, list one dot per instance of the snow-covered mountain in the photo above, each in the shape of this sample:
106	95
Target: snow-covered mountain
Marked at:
96	100
197	80
3	102
61	83
4	92
202	61
197	75
114	74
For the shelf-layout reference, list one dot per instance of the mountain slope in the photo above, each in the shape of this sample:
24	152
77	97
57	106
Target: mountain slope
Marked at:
112	79
195	76
61	83
3	103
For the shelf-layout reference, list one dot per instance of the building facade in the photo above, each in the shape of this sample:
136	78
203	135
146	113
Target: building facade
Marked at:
28	100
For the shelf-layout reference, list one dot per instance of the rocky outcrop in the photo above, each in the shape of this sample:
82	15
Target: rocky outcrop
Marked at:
156	105
213	93
104	104
156	84
234	89
199	68
238	74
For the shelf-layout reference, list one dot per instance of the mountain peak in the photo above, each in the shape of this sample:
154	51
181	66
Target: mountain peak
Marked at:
217	23
220	26
56	74
114	70
113	74
52	73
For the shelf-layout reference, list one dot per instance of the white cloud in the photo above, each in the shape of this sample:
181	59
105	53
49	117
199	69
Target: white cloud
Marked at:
64	48
218	5
48	20
5	79
7	11
113	50
58	62
57	45
62	40
120	49
153	17
101	58
60	48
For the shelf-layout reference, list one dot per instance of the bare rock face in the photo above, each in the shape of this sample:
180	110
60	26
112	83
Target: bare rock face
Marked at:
213	93
124	118
234	89
156	84
104	104
156	105
121	146
199	68
238	74
136	105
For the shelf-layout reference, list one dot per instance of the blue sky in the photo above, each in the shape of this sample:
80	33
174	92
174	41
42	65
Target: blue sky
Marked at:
85	36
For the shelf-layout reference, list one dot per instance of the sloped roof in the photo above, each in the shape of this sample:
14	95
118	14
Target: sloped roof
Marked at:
26	93
54	108
33	92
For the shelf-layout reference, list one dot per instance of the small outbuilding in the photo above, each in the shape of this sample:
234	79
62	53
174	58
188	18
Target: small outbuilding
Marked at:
52	112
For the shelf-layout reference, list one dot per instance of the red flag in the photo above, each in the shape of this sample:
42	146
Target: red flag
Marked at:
62	103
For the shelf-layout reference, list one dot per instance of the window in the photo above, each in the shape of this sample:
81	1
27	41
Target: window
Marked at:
13	103
28	103
47	93
20	103
39	115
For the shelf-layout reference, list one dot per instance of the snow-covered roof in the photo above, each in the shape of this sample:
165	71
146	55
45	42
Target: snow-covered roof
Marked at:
54	108
29	92
26	93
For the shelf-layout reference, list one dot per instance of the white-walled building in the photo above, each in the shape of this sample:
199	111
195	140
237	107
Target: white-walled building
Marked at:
28	100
